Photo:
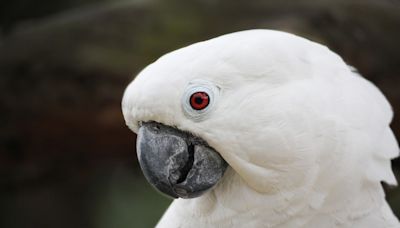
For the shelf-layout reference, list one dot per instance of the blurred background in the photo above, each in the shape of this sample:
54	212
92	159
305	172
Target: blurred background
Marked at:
66	157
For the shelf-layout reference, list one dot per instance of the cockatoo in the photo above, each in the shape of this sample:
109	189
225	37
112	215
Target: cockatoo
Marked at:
263	128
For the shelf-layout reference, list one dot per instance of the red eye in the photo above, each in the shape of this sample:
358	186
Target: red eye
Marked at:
199	100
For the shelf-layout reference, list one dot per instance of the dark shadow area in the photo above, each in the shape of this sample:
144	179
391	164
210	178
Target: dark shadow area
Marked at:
66	157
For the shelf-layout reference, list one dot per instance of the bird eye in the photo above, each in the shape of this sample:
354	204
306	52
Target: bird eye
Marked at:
199	100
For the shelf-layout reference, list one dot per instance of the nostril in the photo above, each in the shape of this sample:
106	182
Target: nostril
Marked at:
156	127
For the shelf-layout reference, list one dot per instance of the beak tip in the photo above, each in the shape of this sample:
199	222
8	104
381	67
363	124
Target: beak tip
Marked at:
167	161
181	192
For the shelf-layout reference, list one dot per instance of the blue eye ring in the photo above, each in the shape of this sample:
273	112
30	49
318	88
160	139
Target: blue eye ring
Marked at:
205	89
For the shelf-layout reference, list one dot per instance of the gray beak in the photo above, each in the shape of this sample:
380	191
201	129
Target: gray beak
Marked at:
176	162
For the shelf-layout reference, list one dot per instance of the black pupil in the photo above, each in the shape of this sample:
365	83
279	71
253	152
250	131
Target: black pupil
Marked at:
198	100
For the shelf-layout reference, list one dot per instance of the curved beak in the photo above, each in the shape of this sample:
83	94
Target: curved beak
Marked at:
176	162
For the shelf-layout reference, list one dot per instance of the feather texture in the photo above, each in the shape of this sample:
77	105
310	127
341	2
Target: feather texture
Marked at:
307	139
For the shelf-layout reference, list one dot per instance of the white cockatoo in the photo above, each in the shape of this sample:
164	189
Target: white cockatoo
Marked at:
263	128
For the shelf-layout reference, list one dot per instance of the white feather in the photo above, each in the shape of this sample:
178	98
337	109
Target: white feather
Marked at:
307	139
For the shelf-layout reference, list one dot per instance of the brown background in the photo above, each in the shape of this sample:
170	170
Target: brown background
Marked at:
66	157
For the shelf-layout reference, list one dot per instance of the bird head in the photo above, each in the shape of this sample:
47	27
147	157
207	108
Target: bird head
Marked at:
279	111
